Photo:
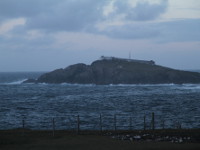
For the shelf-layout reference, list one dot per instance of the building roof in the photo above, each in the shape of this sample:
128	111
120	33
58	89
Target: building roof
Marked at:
129	60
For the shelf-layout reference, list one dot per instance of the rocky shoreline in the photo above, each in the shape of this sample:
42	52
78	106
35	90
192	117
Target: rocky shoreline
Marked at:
169	135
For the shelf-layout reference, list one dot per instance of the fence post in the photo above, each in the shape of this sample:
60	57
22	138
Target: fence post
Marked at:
101	129
153	121
23	126
163	124
178	125
115	122
144	122
130	123
78	124
53	127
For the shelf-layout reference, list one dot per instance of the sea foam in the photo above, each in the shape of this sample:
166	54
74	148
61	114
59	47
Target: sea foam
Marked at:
15	82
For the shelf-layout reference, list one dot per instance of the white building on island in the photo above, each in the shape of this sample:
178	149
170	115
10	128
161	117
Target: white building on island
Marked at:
150	62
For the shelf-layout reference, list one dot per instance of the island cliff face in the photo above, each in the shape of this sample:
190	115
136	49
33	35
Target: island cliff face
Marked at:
118	71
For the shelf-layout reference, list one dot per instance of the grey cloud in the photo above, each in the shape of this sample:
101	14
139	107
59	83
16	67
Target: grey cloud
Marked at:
142	11
71	15
172	31
54	15
24	8
21	40
74	15
180	30
132	31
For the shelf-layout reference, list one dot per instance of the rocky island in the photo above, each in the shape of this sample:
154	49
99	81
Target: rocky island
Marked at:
111	70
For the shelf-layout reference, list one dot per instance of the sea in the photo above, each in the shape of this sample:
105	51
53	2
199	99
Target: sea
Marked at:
96	107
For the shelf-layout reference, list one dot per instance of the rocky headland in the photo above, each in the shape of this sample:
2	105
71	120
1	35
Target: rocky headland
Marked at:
111	70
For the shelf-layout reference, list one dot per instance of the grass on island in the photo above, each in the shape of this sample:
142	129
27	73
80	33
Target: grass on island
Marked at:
67	140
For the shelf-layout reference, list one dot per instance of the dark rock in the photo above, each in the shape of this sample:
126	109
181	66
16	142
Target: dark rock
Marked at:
119	71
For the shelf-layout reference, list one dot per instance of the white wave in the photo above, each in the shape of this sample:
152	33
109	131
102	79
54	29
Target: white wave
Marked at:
65	84
191	86
119	85
76	84
145	85
15	82
43	83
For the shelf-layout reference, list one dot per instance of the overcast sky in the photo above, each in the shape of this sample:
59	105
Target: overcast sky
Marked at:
43	35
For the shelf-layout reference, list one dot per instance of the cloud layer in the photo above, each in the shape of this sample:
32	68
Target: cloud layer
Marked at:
58	26
75	15
142	11
84	16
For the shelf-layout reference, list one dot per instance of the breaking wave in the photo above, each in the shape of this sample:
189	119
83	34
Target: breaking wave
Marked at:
14	82
170	84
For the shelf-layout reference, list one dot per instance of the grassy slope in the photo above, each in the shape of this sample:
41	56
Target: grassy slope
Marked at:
43	140
133	72
118	72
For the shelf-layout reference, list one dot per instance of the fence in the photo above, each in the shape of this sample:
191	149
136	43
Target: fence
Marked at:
96	122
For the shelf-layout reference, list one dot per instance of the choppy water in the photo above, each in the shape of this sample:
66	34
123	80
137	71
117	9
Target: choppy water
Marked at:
37	104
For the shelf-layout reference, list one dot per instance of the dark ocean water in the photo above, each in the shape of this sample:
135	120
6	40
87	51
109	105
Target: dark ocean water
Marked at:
37	104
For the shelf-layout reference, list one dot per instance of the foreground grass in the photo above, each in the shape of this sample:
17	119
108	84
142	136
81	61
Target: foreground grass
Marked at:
64	140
